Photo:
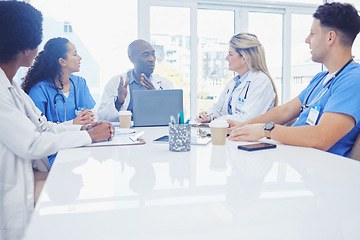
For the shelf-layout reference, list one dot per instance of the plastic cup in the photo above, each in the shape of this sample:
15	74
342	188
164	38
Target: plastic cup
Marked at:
218	130
125	119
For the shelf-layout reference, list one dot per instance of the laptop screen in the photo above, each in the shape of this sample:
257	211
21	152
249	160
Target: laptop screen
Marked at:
154	107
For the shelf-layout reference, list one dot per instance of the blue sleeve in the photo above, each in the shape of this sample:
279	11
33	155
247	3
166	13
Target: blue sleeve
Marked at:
345	97
38	96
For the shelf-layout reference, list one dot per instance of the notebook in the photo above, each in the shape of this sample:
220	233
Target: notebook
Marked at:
154	107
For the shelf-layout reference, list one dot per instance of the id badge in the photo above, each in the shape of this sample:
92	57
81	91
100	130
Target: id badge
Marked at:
241	100
313	115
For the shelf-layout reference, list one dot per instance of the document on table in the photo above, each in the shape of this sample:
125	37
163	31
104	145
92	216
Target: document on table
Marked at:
121	138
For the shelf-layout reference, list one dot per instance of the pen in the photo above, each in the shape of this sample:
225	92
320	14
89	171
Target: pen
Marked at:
210	115
172	119
181	118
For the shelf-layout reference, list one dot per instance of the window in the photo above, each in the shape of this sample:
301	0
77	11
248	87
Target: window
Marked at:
170	37
215	28
303	69
67	27
208	26
268	28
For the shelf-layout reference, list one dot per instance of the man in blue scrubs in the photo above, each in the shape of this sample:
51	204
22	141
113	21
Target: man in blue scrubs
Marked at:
118	91
328	109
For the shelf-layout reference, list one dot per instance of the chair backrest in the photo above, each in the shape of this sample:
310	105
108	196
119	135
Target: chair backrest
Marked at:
355	151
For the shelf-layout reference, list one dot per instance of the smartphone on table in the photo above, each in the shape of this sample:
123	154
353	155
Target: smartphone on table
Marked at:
256	146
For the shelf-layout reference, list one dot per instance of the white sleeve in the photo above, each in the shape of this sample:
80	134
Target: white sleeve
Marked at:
21	135
217	109
107	110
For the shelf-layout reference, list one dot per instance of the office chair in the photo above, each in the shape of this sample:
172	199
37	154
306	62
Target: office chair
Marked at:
355	151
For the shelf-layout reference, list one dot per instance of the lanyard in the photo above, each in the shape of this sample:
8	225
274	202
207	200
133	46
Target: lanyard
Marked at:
247	85
327	86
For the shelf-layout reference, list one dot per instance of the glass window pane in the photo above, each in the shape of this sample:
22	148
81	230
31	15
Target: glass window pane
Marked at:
268	28
215	28
356	49
172	46
303	69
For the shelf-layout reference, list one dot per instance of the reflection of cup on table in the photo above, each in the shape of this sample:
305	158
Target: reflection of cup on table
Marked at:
218	158
218	130
125	119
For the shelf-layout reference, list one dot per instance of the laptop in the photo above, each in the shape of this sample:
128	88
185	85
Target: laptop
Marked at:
154	107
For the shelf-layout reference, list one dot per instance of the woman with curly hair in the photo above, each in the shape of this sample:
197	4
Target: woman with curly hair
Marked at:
61	96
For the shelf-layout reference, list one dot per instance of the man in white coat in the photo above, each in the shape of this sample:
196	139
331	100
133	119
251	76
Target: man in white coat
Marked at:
27	138
117	94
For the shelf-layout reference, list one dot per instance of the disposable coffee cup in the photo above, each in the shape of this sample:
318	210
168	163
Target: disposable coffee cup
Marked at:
125	119
218	130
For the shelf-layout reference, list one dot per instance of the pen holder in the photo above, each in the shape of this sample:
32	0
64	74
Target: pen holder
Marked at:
179	137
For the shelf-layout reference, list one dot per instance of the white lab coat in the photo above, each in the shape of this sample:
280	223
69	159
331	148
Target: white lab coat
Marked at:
107	110
260	98
25	140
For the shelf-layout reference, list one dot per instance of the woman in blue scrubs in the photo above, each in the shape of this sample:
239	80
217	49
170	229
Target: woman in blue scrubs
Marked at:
61	96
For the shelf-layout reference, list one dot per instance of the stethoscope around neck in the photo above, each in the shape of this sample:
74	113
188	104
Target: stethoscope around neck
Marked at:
58	94
327	86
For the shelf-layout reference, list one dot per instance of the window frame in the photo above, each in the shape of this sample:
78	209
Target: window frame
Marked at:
241	9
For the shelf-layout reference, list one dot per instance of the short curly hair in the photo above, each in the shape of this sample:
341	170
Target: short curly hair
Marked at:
20	29
342	17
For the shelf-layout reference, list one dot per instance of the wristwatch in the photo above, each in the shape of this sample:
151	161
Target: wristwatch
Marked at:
267	129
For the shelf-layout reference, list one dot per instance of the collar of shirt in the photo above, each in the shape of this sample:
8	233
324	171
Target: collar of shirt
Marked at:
239	79
328	77
133	80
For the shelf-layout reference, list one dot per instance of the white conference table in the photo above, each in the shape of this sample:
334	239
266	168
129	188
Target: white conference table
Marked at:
211	192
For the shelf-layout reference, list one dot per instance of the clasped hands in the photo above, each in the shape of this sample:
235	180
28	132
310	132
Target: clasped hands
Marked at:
84	117
101	131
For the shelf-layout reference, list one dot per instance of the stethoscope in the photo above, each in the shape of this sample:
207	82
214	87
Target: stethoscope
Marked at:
242	100
327	86
247	85
58	94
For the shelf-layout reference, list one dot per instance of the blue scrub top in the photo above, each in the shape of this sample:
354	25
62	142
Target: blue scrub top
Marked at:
342	97
44	92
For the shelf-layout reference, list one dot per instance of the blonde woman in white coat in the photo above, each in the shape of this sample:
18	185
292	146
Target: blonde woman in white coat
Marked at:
252	92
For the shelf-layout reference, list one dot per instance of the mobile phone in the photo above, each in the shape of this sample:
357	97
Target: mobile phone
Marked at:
256	146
